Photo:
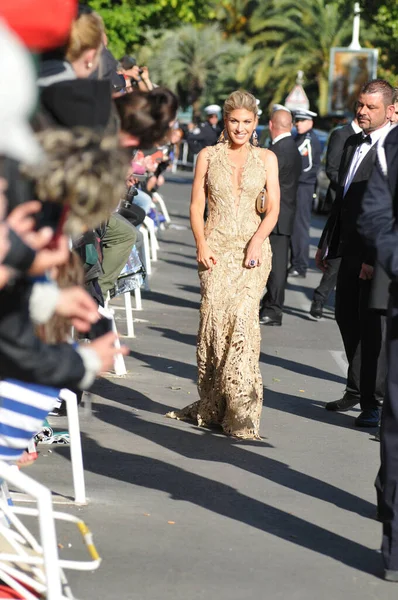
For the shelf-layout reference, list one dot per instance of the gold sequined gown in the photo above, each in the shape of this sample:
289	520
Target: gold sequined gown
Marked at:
229	380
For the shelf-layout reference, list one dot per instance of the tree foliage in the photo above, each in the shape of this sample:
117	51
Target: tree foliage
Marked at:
382	15
260	44
198	63
127	21
289	36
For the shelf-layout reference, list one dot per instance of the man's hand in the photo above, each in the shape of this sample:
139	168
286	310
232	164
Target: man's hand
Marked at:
104	347
366	272
320	262
22	220
76	304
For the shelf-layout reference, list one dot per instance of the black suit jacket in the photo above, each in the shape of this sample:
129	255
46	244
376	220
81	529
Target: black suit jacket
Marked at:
378	221
340	236
289	165
334	152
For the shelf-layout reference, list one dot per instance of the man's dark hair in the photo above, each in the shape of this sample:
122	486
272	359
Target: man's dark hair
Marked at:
379	86
395	96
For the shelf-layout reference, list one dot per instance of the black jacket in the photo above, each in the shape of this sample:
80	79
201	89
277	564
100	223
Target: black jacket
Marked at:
334	152
22	355
289	165
378	221
309	147
340	236
70	102
205	136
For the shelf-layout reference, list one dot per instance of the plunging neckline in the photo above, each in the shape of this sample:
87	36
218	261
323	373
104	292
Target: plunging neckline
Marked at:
236	194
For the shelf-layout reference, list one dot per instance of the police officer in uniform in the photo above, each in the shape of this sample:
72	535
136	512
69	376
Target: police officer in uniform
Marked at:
207	133
310	149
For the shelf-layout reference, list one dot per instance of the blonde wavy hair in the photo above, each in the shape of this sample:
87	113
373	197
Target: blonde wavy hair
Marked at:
240	99
85	34
83	170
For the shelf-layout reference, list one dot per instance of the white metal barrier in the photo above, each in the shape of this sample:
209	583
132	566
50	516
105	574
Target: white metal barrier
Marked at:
182	160
154	245
158	199
26	563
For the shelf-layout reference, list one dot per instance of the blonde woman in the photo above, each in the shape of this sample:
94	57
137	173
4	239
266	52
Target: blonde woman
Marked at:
234	260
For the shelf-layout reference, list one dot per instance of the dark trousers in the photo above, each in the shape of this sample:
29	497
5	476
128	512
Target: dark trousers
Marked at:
363	331
387	480
272	303
301	228
328	281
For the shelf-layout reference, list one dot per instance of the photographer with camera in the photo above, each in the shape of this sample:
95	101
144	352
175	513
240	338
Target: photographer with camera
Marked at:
135	76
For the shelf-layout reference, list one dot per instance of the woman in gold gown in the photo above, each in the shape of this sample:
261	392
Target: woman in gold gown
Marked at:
234	258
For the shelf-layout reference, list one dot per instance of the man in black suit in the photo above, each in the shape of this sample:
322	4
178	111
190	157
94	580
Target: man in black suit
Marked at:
362	329
336	142
289	163
378	223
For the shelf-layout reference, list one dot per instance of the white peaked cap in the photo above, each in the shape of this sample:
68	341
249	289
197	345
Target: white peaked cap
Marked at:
302	113
18	96
212	109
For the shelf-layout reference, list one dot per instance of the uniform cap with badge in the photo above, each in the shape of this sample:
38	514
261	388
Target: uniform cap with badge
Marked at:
304	115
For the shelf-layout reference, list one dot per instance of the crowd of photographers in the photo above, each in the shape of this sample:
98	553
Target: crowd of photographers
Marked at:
75	125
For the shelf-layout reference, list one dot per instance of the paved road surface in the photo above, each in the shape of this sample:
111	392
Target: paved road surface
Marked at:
181	513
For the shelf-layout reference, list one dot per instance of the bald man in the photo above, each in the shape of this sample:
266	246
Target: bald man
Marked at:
289	161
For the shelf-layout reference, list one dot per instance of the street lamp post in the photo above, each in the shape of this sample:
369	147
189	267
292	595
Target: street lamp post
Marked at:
355	45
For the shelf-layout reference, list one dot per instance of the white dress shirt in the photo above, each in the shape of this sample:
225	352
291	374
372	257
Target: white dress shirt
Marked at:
362	150
280	137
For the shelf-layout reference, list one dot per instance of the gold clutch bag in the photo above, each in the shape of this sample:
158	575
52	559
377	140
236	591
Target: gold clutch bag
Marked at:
262	201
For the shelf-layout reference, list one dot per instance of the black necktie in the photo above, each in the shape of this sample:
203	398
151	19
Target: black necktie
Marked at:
366	139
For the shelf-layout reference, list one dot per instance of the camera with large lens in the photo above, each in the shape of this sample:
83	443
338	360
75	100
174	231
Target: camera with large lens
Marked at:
129	197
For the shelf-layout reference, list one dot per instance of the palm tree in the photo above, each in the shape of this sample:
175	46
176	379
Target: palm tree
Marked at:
195	62
289	36
234	15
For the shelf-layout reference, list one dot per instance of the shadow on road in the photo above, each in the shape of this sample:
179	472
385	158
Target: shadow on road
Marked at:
166	365
301	369
171	300
221	498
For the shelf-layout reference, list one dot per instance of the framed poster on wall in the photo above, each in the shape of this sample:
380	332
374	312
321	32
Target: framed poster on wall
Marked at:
349	70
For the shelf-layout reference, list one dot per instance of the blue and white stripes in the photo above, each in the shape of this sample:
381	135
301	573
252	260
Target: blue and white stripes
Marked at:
23	408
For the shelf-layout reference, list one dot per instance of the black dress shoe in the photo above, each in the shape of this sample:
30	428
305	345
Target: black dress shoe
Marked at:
369	417
295	273
269	321
316	309
345	403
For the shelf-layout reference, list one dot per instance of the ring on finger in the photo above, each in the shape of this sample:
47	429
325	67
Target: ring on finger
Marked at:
252	263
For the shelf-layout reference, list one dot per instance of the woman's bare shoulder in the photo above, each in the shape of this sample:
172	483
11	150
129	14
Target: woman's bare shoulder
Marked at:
268	157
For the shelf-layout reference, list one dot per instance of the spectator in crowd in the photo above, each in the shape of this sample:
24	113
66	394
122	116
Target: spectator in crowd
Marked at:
336	142
134	75
394	117
22	355
310	149
289	170
378	222
362	329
